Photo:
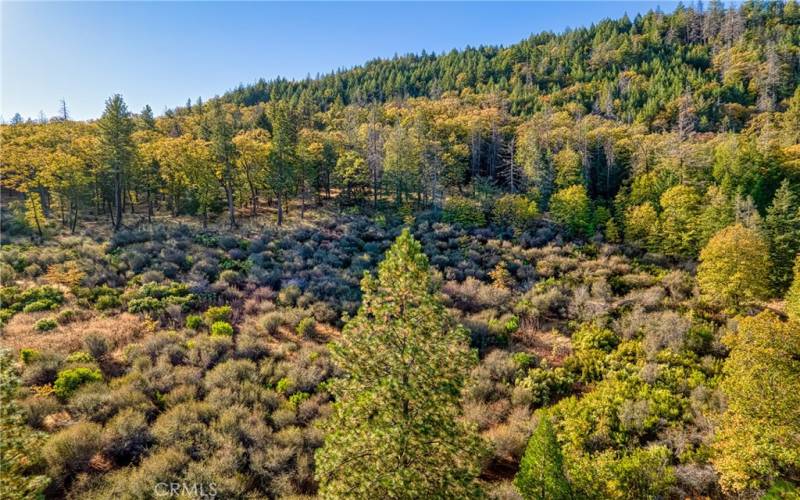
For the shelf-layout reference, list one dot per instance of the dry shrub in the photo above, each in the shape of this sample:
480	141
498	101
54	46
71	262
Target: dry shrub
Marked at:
503	490
118	330
38	407
69	451
508	440
473	295
126	436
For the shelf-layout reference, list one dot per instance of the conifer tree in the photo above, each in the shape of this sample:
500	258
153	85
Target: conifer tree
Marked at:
541	471
225	154
119	150
395	430
782	227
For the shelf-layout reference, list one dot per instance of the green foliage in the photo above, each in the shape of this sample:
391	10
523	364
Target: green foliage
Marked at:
214	314
463	211
793	295
591	336
14	300
734	267
782	229
19	445
221	328
153	298
194	321
568	167
70	379
80	357
572	208
389	408
515	210
307	327
541	471
106	302
758	440
545	385
679	231
45	325
145	305
642	226
27	355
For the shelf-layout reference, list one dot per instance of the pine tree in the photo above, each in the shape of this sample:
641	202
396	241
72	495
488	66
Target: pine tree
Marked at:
283	159
146	116
782	228
541	471
116	128
395	430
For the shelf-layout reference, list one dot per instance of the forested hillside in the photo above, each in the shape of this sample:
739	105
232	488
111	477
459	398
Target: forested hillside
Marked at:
567	268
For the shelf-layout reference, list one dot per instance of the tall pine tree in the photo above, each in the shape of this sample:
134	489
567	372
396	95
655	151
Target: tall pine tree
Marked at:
395	431
782	227
116	129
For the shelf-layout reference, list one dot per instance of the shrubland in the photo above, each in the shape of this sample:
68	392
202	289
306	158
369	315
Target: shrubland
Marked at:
511	272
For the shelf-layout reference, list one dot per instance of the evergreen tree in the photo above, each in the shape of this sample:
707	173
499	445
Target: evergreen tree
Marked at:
224	152
146	116
680	220
782	228
283	159
395	430
116	128
541	471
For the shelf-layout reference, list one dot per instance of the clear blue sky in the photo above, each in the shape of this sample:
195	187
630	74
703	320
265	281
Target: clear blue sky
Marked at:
163	53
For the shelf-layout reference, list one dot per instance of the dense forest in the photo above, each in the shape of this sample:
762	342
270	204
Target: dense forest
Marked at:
567	268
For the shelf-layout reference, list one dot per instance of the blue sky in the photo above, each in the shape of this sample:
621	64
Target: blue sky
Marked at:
163	53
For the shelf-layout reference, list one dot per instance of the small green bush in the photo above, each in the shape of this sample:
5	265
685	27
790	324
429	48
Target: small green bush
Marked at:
66	316
221	328
145	305
297	398
285	385
80	357
464	211
307	327
516	211
27	355
194	321
106	302
39	305
70	379
215	314
288	295
523	360
45	325
591	336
